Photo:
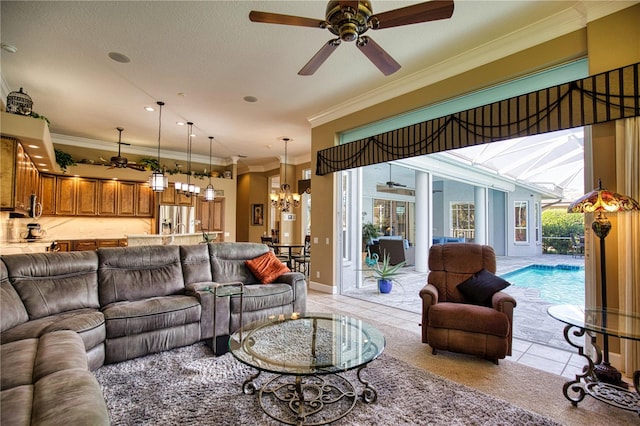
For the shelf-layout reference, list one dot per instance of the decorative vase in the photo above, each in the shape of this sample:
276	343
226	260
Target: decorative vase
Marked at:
384	286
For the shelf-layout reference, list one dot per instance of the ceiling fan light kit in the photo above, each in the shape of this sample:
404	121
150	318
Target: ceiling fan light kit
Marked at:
349	20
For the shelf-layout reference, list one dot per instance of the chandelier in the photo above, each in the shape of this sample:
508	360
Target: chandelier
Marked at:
285	198
188	189
210	192
158	181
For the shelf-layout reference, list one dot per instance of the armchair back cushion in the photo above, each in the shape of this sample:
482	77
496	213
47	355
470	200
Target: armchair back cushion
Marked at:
44	281
452	264
135	273
228	261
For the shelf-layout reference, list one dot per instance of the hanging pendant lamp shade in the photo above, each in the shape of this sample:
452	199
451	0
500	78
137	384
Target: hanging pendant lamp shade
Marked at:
210	192
188	189
285	199
158	181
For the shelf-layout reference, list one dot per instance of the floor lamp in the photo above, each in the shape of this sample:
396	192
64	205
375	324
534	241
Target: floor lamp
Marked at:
601	201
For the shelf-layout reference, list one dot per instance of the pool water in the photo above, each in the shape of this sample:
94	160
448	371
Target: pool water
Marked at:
561	284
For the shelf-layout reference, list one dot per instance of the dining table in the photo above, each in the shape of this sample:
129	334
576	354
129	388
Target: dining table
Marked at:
288	250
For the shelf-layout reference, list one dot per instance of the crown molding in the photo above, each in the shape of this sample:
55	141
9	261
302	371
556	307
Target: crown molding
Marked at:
557	25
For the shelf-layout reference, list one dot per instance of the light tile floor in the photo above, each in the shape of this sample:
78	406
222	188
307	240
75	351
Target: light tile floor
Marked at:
541	356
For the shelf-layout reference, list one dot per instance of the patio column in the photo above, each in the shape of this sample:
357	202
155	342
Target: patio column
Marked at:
424	219
480	208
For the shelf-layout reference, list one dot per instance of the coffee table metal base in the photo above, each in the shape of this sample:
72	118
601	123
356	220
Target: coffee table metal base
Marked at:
308	400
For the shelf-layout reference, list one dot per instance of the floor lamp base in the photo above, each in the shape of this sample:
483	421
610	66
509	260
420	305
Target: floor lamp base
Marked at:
607	373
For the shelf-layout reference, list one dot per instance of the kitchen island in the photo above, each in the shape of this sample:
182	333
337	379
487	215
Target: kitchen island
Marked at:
164	239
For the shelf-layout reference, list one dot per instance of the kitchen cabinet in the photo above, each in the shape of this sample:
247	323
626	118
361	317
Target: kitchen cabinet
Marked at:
171	197
211	216
87	197
126	198
47	194
80	245
145	200
66	196
107	197
18	177
65	245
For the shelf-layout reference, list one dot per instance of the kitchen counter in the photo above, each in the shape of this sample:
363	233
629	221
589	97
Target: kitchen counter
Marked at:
39	246
157	239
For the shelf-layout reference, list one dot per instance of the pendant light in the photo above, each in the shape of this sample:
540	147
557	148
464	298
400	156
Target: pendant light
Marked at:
158	181
285	199
188	189
210	192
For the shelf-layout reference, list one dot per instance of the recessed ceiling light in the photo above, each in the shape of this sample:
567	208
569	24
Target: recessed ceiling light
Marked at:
150	109
9	48
119	57
38	156
180	123
250	99
45	170
42	164
34	146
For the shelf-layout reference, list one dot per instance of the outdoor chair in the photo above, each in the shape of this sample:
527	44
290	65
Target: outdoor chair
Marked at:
577	244
462	307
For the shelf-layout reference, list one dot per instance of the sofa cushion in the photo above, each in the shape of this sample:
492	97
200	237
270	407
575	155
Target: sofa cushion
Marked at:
139	316
135	273
470	318
16	368
20	399
267	267
89	323
11	308
50	283
196	267
227	261
479	288
260	297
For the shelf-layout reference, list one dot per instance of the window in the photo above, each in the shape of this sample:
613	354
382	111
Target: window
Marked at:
463	218
536	212
520	218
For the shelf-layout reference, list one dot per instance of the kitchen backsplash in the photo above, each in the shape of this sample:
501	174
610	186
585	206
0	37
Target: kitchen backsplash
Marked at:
73	228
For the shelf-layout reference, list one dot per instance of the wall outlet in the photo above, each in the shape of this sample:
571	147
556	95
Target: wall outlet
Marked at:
326	241
318	274
226	234
315	240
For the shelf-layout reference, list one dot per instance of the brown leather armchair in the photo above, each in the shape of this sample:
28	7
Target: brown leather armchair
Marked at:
449	321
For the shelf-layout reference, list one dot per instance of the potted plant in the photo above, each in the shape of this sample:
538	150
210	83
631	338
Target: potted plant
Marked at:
384	272
369	232
64	160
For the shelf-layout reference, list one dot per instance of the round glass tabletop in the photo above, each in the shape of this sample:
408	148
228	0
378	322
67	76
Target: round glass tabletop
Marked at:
307	344
605	321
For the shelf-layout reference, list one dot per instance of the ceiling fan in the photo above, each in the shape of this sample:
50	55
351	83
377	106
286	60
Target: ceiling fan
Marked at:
391	184
349	20
120	161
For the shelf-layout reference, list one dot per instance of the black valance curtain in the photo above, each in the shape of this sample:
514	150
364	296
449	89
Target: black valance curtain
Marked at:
596	99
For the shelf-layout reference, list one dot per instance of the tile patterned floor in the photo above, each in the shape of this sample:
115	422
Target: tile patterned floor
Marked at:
547	352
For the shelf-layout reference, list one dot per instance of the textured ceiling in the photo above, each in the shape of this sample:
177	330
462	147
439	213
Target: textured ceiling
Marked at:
202	58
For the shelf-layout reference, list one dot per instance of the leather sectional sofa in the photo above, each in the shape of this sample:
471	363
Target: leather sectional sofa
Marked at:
64	314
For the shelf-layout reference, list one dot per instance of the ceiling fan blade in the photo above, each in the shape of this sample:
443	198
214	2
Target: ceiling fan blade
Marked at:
377	55
423	12
319	58
136	167
276	18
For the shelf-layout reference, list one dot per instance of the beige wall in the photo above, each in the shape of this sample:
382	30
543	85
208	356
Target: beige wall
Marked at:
557	51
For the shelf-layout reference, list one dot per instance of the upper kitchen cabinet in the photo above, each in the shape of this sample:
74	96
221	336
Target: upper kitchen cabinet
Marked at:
18	178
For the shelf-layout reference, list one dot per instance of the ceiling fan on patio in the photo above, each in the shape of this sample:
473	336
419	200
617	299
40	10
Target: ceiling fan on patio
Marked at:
349	20
121	162
391	184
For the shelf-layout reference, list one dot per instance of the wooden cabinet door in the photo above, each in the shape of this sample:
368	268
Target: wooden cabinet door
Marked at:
183	200
87	197
80	245
145	200
65	245
47	194
126	199
108	243
217	217
7	173
107	197
66	196
203	215
168	196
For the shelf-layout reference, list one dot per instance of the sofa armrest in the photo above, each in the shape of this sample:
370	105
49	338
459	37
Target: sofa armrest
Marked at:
299	286
504	303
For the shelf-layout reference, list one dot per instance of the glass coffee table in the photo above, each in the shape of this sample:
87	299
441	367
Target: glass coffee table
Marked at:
306	353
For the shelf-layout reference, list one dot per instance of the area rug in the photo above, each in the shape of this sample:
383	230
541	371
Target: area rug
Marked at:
188	386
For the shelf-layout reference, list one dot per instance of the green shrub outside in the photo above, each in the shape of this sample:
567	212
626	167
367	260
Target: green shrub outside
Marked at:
557	227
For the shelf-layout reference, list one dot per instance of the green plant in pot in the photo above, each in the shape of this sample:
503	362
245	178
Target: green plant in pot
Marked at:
369	232
384	272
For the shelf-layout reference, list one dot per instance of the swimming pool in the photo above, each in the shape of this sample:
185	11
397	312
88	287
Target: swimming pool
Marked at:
562	284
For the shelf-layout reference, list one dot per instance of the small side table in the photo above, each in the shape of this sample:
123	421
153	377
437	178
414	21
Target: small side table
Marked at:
235	288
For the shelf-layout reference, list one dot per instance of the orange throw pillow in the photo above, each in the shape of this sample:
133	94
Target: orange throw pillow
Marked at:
267	267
